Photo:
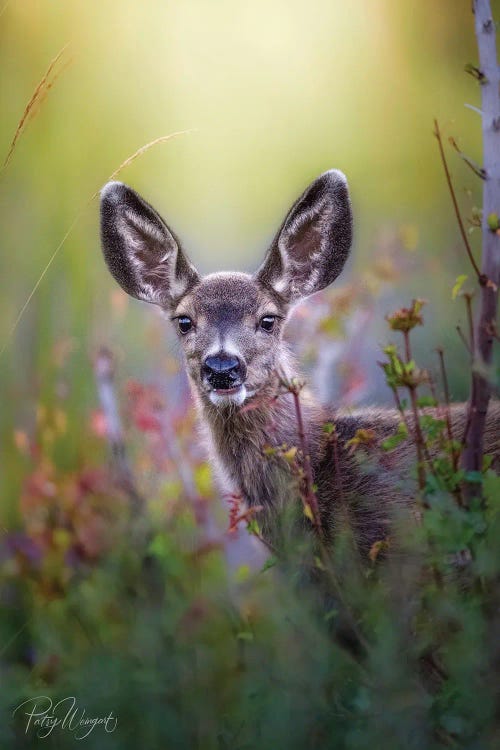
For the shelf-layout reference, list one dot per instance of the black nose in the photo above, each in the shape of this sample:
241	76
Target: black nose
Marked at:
223	371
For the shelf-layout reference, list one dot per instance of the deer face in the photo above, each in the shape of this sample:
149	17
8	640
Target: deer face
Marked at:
230	324
230	327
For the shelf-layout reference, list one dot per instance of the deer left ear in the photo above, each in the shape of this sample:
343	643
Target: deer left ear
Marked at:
313	243
141	251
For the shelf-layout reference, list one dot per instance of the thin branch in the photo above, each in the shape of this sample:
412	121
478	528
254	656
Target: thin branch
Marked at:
478	171
470	319
399	406
437	133
310	495
310	498
474	109
419	438
463	338
446	389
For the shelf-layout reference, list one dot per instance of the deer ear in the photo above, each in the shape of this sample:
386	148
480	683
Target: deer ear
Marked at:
142	253
313	243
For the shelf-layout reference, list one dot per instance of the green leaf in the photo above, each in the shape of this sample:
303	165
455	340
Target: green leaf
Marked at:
487	461
396	439
402	429
160	546
245	635
493	222
473	477
392	442
242	573
459	282
318	563
424	401
270	563
253	527
331	614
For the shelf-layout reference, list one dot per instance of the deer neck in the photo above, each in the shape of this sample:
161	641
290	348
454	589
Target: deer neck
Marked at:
239	440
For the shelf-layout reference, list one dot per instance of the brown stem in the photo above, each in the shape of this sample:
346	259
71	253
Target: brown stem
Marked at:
401	410
419	438
463	338
311	499
449	429
310	495
437	133
470	318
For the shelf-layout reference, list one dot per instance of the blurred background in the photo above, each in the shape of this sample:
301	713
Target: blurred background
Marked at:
275	94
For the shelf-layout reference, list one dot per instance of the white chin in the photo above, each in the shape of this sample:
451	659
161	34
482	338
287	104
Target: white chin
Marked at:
236	398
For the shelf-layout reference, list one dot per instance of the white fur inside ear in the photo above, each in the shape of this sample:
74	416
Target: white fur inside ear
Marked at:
143	226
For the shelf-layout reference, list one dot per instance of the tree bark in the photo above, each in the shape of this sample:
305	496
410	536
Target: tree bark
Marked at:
485	326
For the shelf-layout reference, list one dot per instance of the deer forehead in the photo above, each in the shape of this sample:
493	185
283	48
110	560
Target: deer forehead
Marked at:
229	298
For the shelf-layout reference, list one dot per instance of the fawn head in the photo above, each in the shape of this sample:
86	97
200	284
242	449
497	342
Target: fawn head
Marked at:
230	324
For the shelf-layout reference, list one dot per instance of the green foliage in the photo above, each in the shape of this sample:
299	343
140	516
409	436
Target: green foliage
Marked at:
396	439
146	621
460	281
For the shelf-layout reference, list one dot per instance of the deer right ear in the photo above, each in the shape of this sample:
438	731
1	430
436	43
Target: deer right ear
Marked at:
312	246
142	253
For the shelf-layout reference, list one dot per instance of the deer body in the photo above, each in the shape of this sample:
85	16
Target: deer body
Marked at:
231	325
242	440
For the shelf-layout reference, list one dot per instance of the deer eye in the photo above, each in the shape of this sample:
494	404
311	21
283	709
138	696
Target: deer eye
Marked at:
185	324
267	322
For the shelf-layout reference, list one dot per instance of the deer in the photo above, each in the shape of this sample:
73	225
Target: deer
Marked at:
230	326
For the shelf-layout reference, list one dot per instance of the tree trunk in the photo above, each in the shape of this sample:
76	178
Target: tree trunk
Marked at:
485	326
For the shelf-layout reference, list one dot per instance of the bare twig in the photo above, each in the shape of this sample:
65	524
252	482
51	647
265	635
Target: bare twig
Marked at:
463	338
419	438
470	319
446	389
468	248
104	374
399	406
309	499
310	496
478	171
474	109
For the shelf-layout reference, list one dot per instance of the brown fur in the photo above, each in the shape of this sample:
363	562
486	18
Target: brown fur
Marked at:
361	486
225	314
